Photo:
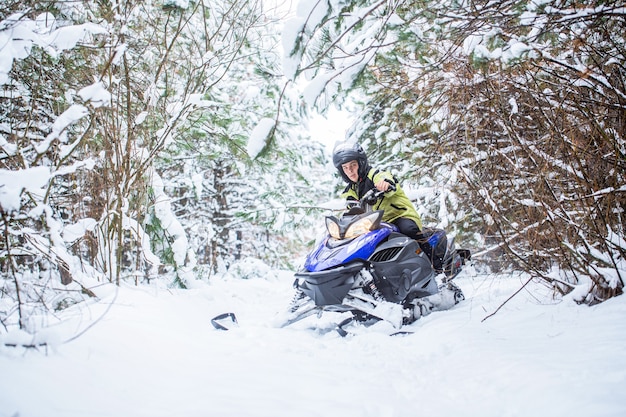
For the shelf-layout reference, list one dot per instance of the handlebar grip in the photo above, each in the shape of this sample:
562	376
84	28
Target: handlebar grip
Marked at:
374	194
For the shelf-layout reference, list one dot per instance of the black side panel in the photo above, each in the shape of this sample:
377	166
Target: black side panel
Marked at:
400	268
328	287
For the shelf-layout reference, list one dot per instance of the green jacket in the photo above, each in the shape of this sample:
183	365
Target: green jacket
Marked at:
395	204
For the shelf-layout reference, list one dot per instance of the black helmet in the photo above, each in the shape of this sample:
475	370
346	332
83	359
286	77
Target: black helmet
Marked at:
345	152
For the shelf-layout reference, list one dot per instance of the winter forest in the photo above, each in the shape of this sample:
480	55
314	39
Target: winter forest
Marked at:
170	139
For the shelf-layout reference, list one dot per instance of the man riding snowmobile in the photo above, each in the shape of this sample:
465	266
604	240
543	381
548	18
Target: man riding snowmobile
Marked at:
353	166
375	261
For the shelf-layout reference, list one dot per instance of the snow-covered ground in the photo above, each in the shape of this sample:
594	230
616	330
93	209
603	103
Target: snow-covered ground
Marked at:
153	352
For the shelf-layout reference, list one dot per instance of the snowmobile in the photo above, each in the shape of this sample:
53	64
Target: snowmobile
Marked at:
366	267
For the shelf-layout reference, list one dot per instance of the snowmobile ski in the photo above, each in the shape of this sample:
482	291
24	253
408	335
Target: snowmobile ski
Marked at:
215	321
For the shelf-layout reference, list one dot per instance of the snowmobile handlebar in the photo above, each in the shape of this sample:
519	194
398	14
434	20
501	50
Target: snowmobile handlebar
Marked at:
374	194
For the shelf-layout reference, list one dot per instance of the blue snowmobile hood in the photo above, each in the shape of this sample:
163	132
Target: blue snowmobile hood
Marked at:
328	255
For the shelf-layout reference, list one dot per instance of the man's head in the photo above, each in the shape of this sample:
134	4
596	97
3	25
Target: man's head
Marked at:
350	160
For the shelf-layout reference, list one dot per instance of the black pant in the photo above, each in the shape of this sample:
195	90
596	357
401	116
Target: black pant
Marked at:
409	228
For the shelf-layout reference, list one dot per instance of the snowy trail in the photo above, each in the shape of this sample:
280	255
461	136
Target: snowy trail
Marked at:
155	354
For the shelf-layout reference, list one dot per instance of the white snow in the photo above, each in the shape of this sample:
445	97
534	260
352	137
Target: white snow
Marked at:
259	136
314	88
514	106
308	14
97	94
291	59
19	35
153	352
14	183
73	232
74	113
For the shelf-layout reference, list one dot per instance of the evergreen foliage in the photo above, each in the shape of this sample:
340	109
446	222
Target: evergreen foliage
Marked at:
507	115
137	137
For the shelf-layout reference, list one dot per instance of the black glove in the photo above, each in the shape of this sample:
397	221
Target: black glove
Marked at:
370	197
